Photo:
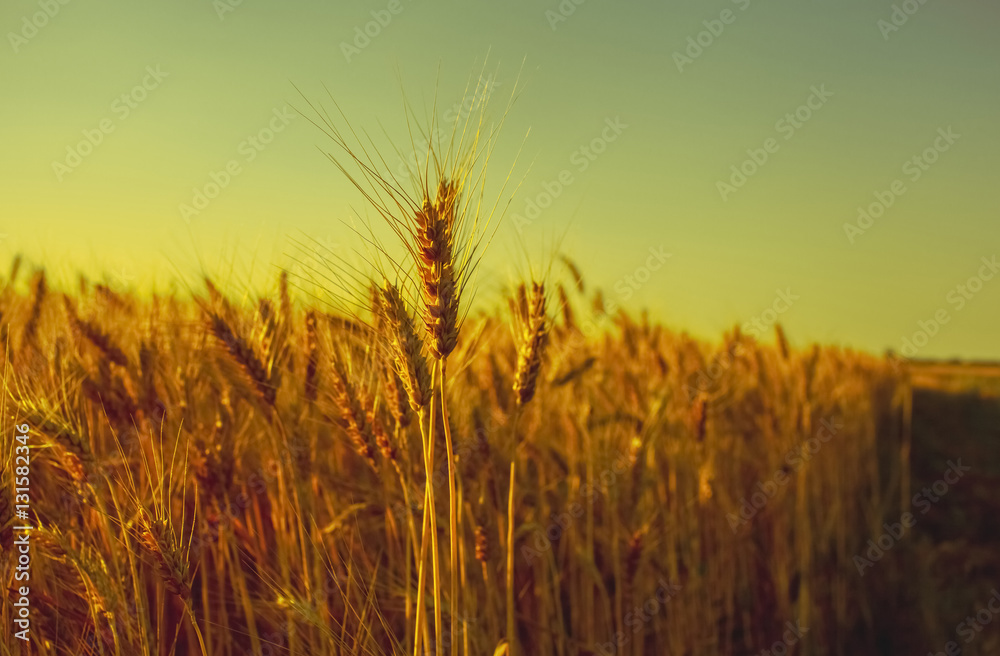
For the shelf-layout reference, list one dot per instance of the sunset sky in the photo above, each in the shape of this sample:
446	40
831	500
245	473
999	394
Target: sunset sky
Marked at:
736	140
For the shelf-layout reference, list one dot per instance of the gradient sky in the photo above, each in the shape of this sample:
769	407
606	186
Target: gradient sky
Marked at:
229	67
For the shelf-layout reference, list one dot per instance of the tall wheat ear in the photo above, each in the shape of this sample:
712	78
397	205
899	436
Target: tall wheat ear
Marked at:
442	221
531	347
404	347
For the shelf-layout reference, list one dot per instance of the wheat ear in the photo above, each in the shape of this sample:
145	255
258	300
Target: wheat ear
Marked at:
241	353
534	337
408	359
435	224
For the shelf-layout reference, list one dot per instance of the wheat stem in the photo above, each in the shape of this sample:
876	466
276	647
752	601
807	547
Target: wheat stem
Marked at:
452	505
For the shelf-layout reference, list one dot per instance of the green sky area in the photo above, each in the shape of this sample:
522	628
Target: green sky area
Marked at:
740	138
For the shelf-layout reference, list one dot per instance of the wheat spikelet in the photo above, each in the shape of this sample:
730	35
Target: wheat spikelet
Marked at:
396	395
405	348
382	439
434	234
353	416
534	335
243	356
157	537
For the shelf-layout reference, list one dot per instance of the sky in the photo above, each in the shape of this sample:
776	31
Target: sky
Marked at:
828	166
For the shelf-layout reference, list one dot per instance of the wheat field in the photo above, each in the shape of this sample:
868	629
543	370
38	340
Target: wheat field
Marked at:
226	475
